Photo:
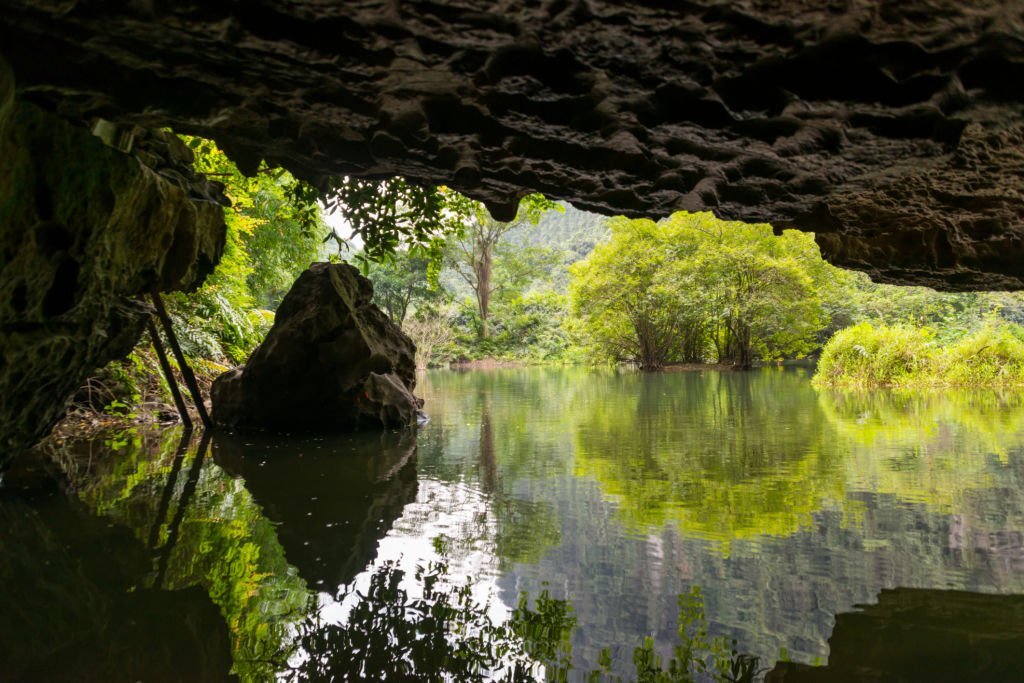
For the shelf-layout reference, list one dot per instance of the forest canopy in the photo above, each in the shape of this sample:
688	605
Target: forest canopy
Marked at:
693	289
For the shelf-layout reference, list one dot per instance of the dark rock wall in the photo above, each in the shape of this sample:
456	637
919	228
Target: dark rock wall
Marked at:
893	128
920	636
84	229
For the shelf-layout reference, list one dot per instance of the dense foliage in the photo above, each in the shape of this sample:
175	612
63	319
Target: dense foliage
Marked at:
474	253
501	290
401	281
695	288
268	245
441	634
902	356
383	216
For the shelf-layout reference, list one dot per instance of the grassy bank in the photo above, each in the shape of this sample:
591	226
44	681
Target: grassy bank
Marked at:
866	355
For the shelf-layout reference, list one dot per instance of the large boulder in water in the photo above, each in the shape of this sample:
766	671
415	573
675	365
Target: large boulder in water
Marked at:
333	361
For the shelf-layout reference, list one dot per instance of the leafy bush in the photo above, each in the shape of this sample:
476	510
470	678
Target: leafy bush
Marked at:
992	356
534	328
865	355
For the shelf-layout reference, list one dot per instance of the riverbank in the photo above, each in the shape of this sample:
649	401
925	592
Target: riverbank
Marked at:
902	356
697	367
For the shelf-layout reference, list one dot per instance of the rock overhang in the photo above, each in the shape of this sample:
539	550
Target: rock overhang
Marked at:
893	130
84	230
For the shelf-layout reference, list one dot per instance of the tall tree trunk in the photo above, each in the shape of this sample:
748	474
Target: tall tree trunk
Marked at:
743	354
403	309
483	289
650	353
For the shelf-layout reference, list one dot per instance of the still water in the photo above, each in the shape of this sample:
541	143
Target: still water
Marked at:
890	523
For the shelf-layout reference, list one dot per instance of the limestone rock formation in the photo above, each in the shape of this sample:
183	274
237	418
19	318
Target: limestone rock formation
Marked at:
893	128
332	361
84	229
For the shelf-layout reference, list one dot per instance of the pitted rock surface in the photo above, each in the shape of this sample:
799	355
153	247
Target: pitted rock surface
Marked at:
893	128
84	230
333	361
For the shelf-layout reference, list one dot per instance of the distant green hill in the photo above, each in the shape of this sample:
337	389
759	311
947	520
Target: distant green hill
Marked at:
573	233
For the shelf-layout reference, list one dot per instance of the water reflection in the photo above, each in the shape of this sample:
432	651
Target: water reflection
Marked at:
922	636
928	447
76	602
332	498
204	531
787	506
715	454
615	492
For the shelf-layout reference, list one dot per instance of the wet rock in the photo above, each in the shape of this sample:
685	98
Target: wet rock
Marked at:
84	229
891	129
333	361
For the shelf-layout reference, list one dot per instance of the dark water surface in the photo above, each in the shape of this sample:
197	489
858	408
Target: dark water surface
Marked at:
891	523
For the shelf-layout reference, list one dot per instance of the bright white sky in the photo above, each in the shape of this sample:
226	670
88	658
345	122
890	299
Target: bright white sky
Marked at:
341	226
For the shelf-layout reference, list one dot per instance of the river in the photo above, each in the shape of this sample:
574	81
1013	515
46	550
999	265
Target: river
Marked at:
800	515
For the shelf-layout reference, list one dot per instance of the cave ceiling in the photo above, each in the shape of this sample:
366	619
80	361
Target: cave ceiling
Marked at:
893	129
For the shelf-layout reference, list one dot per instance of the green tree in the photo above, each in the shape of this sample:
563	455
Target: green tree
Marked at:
401	281
628	310
385	215
658	293
473	250
755	293
280	247
268	245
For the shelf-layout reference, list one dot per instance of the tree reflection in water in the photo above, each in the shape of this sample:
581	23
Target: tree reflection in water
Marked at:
620	491
437	630
76	602
204	532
